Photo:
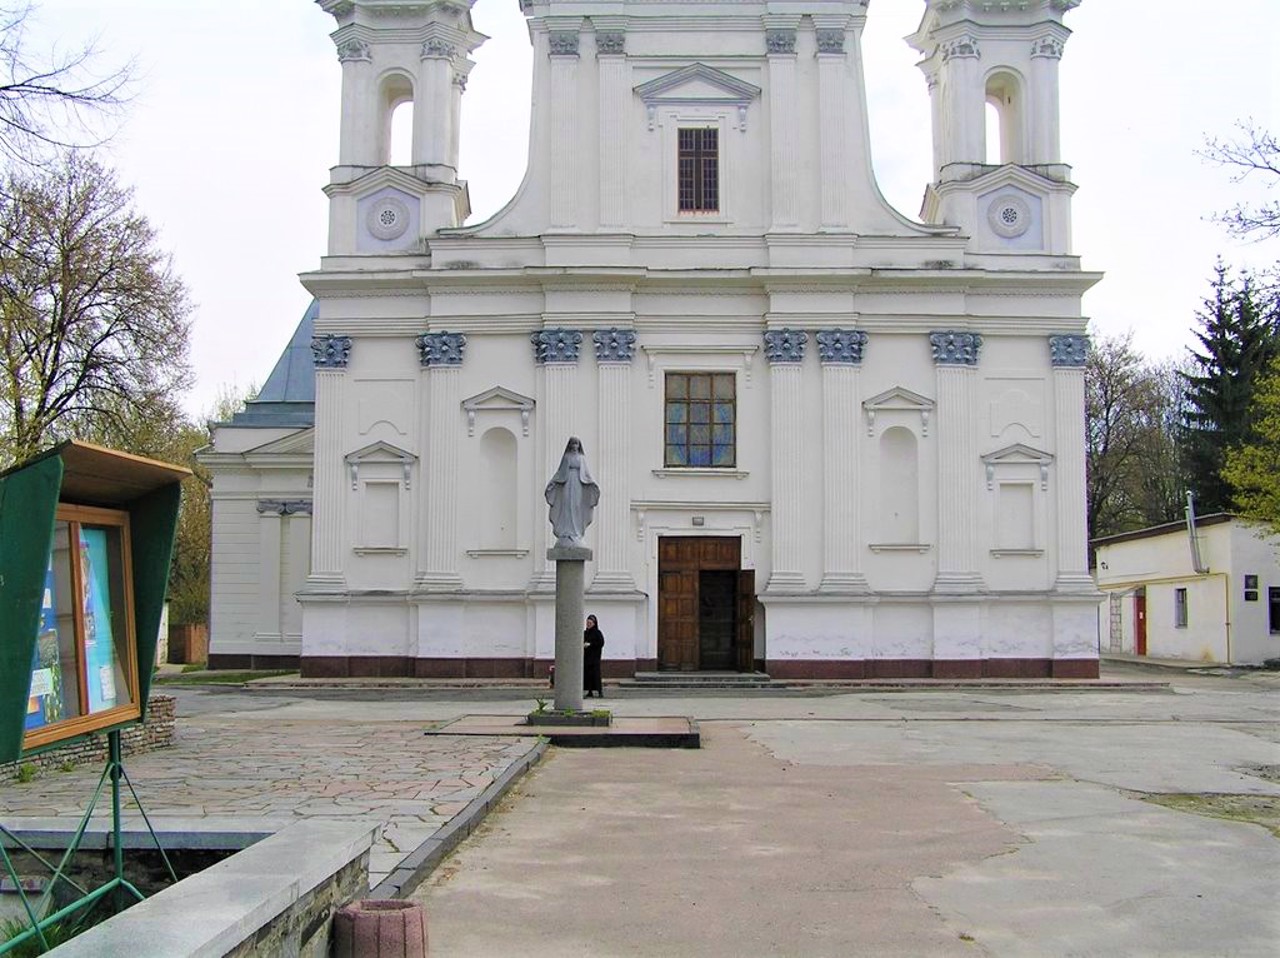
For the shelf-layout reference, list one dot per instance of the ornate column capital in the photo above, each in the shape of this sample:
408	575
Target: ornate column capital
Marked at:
830	41
841	347
611	43
1048	47
961	48
284	507
354	50
438	48
614	345
441	349
331	352
563	43
785	345
954	348
1068	349
780	41
556	345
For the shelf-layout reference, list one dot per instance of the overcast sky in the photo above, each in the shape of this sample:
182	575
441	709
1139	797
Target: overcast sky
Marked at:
235	123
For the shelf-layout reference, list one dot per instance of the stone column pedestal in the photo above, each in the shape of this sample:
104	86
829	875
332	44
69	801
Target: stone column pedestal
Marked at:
570	617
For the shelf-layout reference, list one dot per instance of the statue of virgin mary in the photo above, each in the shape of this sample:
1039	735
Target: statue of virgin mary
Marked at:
572	495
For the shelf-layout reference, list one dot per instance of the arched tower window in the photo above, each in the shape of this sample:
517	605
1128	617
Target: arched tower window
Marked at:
1005	110
396	131
899	486
499	479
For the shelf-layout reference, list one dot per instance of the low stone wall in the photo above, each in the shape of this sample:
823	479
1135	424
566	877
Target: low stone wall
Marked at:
277	897
155	733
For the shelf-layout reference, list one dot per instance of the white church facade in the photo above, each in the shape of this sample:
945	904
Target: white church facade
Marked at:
831	441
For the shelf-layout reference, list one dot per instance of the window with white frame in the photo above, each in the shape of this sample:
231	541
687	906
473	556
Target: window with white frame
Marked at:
701	420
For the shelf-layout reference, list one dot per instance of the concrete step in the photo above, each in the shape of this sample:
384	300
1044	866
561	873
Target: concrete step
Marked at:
663	681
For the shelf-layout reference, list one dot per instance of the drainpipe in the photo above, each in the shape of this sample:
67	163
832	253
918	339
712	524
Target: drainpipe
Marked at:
1196	562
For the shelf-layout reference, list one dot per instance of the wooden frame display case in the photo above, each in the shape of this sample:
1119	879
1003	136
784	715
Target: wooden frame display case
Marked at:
86	537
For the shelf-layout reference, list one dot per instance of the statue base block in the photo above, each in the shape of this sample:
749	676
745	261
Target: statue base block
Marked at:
569	554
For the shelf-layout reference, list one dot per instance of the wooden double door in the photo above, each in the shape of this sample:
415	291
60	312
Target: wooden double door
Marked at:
706	605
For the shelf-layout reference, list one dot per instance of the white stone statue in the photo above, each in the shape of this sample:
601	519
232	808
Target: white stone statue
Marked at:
572	495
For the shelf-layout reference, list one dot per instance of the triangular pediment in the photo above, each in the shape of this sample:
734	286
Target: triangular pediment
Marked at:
697	83
300	443
380	452
1016	454
499	397
898	398
378	179
1011	174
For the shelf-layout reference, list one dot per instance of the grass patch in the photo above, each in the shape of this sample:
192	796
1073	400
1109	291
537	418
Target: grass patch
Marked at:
58	933
1261	810
221	678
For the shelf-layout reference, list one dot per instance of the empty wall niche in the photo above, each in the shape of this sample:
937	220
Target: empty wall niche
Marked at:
499	479
899	486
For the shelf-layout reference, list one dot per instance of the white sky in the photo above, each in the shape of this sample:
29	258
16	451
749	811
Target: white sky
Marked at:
235	126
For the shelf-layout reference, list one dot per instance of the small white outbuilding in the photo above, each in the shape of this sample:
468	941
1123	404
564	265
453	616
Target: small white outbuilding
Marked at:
1214	599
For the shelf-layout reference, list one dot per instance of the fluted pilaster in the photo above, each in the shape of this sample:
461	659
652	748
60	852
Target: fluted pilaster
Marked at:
780	38
614	350
566	176
833	137
841	464
329	477
615	98
1067	354
556	352
443	385
433	105
956	356
785	352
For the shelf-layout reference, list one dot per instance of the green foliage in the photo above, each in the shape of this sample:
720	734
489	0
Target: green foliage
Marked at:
540	706
1253	468
1132	409
66	766
1238	338
26	773
58	933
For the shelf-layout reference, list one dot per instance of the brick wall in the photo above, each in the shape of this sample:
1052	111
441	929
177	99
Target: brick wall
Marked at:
156	732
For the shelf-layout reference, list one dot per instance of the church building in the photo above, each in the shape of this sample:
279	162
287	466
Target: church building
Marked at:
831	440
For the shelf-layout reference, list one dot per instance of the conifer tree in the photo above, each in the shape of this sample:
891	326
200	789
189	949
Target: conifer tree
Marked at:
1238	340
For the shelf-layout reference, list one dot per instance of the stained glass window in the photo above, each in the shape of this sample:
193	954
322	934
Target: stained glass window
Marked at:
701	420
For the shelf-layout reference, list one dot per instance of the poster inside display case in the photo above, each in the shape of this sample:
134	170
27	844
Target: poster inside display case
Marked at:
86	539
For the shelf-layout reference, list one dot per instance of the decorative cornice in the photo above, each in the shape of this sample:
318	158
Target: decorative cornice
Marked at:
780	41
955	348
331	352
1068	349
354	50
563	43
785	345
965	47
611	42
614	345
284	507
1050	47
441	349
556	345
438	48
841	346
830	41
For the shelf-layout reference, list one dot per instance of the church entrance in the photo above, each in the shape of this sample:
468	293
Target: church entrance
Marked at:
706	605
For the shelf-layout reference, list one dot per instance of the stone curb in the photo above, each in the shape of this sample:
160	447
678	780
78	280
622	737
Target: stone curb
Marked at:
418	865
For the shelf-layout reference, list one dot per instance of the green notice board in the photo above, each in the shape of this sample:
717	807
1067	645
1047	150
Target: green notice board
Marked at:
86	538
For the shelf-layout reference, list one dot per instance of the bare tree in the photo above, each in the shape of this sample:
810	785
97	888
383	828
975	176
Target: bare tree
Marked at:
1253	152
50	103
94	325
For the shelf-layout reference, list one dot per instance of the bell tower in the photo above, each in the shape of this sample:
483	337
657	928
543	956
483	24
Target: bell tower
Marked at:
1012	195
395	52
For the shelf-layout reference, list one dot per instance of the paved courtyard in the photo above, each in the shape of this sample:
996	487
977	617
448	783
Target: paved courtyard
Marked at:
925	822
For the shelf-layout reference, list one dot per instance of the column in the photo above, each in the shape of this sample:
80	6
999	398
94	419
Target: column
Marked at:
565	178
358	138
331	354
840	351
556	351
956	357
270	529
780	43
461	72
615	349
1067	354
834	156
440	355
1045	140
784	348
615	99
433	103
966	100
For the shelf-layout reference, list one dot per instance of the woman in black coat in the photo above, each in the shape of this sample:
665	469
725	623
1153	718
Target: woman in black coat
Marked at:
592	646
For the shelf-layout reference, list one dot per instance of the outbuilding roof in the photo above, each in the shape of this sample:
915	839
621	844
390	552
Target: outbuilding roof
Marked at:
288	397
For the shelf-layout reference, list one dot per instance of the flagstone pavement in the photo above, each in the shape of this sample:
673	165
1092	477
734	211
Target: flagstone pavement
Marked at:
262	775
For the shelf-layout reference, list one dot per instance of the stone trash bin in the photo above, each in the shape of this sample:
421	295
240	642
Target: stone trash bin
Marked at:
380	929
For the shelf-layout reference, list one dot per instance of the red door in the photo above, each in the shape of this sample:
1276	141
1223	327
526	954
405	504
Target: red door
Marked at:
1140	622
